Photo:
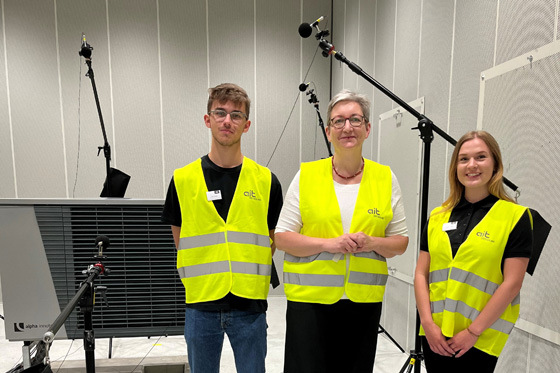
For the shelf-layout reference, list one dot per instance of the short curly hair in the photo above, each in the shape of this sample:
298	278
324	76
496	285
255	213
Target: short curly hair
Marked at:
229	92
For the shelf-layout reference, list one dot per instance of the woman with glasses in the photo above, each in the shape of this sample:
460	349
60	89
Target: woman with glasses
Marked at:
342	217
474	253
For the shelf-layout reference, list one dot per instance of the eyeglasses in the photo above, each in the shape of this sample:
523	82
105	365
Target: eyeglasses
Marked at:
236	116
340	122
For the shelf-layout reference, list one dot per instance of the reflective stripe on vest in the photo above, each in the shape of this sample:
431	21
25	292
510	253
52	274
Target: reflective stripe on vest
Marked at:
216	257
461	286
329	256
313	280
469	313
321	278
359	278
220	237
219	267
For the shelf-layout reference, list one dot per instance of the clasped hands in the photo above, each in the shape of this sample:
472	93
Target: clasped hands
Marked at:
453	347
350	243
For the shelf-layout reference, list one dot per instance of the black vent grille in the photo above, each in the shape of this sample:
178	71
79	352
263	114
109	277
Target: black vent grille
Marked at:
144	292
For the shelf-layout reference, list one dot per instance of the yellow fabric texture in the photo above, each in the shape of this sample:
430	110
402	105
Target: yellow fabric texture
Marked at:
320	214
248	213
479	258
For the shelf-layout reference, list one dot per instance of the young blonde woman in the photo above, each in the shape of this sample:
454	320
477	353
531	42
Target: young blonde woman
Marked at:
474	253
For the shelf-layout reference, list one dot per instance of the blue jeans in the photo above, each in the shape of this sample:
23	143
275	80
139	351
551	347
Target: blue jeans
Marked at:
204	333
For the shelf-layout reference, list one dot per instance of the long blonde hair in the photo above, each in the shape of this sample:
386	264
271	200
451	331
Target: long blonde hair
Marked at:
495	185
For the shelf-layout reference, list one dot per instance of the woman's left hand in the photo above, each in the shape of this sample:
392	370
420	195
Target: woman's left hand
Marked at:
363	241
462	342
387	247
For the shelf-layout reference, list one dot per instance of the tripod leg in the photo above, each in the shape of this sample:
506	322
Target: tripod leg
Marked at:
411	365
408	363
382	330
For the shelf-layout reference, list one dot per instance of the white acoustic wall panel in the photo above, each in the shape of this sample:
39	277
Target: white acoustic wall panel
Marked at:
135	68
435	70
7	187
229	60
184	80
520	106
277	139
522	26
401	148
366	60
36	117
407	45
398	316
384	52
468	65
153	63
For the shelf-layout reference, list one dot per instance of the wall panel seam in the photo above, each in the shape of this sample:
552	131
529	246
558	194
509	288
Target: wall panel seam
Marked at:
9	101
255	75
393	103
160	100
113	154
358	42
448	125
420	47
301	79
208	67
496	33
61	103
556	20
373	87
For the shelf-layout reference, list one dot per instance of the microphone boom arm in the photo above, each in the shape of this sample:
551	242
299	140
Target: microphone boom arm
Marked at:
426	126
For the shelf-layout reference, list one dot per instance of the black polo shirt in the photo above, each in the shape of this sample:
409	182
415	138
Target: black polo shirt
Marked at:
468	215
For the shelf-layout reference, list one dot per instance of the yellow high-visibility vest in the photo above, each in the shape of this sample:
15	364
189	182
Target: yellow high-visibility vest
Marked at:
216	257
321	278
460	287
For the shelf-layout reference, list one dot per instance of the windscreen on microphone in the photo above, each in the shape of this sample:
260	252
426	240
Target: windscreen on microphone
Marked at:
303	86
85	50
103	241
305	30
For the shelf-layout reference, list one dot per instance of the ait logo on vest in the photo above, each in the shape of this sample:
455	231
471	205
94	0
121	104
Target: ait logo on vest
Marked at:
484	236
375	213
251	195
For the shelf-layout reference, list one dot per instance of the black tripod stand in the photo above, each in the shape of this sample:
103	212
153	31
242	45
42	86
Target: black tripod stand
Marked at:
426	128
85	298
313	100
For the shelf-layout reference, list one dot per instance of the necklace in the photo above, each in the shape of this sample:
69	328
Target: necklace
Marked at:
348	177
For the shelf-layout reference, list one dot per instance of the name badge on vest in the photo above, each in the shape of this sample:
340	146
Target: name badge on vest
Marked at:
452	225
214	195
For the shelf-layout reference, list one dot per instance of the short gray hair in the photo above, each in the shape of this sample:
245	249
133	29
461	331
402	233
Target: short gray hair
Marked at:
347	95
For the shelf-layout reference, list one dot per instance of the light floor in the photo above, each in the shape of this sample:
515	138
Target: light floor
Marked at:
389	359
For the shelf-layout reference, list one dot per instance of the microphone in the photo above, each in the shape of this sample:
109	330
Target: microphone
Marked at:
102	242
85	50
305	29
317	21
303	86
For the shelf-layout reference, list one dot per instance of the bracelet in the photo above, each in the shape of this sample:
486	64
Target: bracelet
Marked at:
471	333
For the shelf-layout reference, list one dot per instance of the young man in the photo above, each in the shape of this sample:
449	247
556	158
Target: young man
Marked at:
223	210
